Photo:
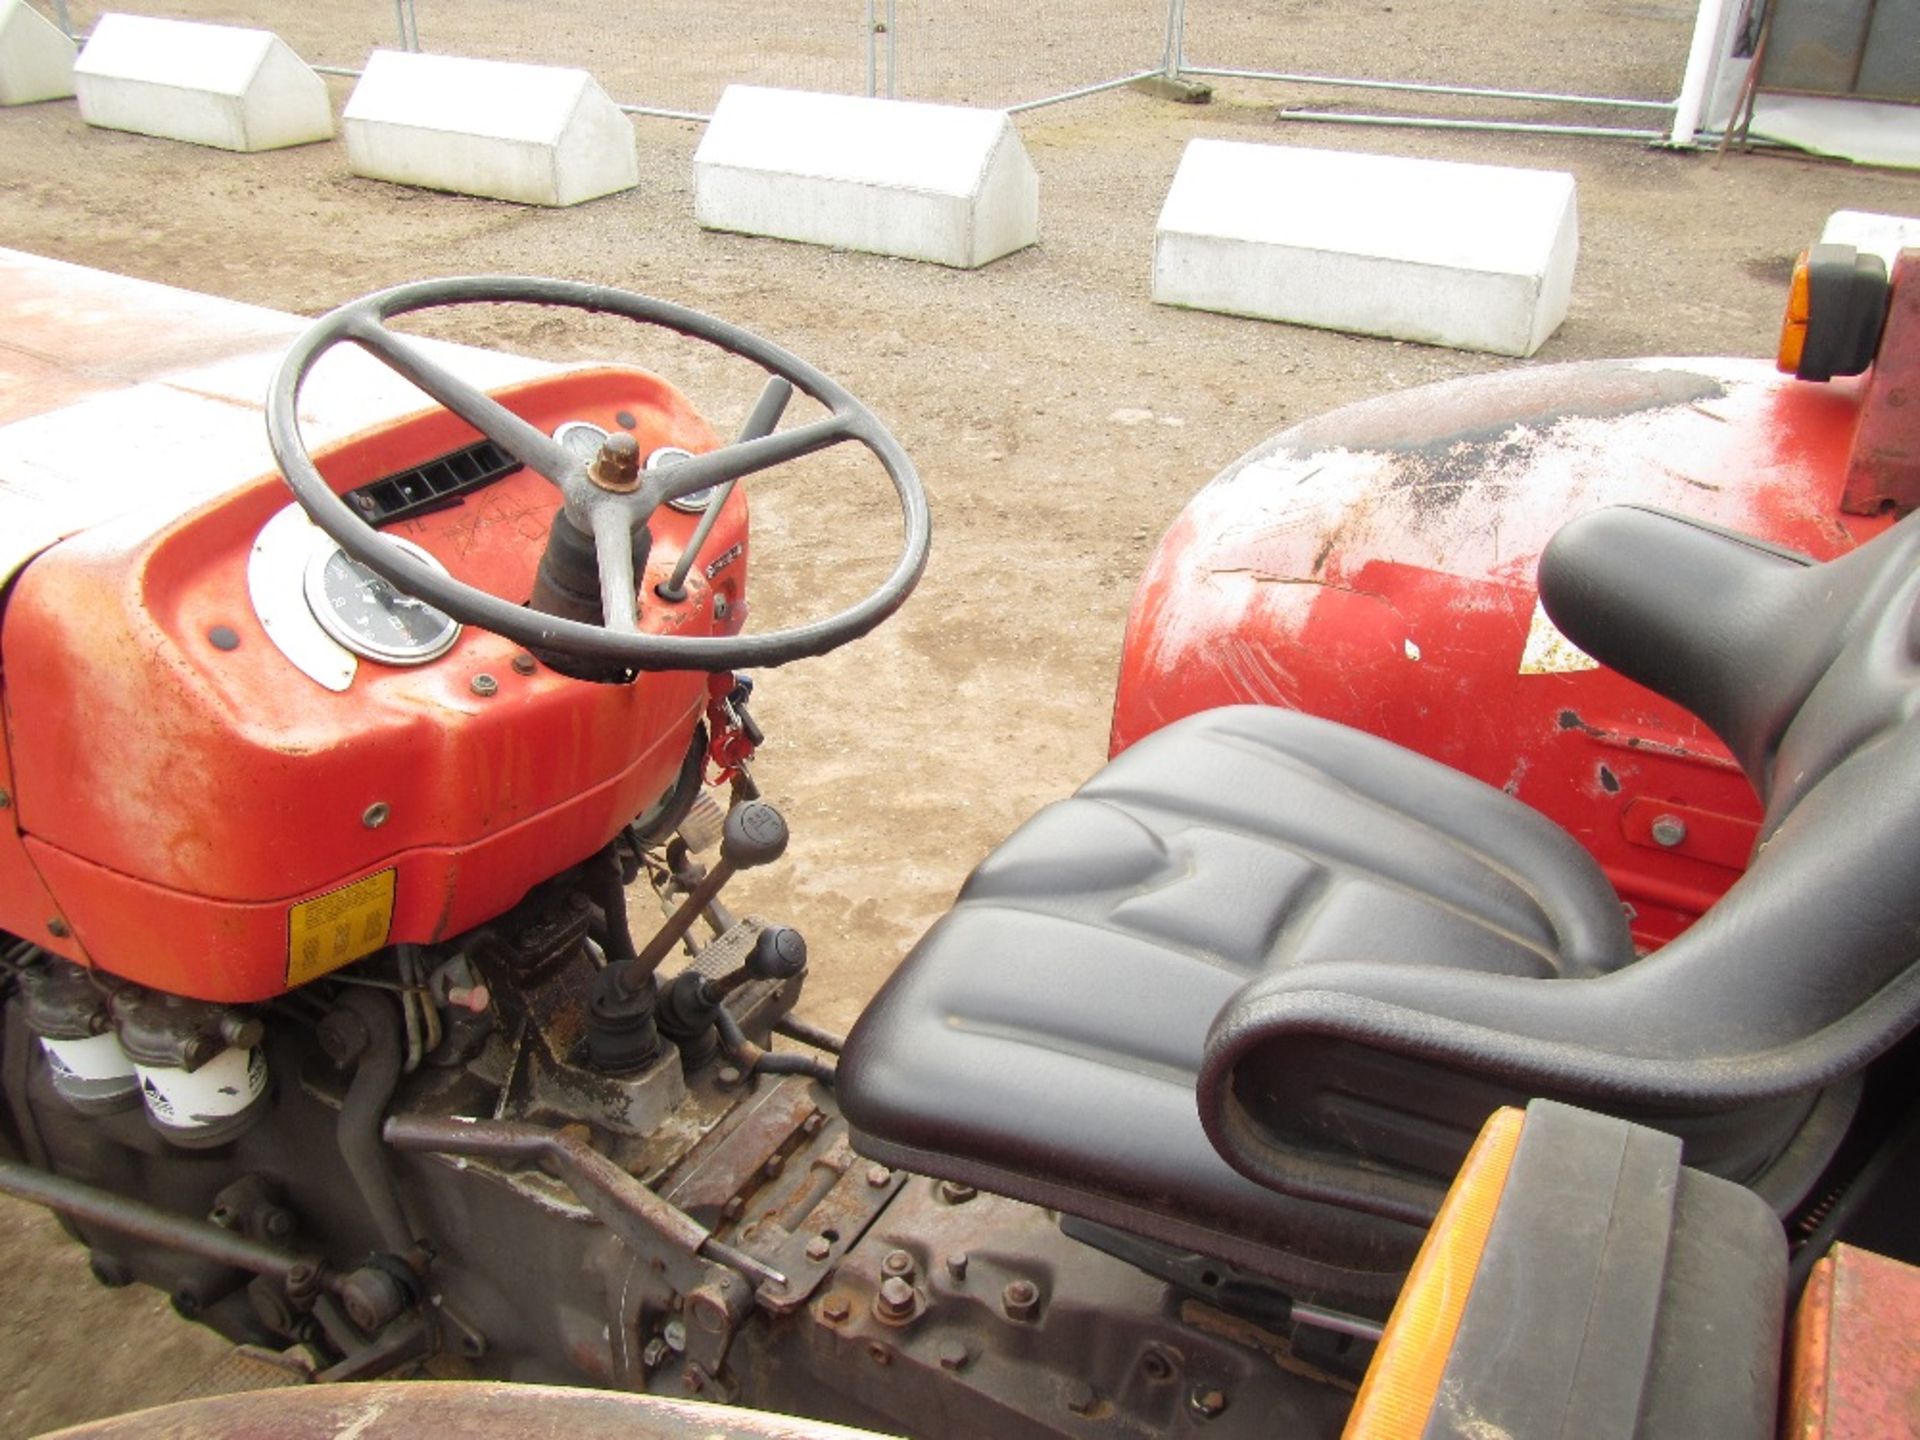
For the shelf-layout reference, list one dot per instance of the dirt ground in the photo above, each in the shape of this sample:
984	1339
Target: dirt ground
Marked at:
1059	418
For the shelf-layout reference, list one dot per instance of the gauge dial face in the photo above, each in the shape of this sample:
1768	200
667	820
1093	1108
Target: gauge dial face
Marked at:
582	438
369	616
693	502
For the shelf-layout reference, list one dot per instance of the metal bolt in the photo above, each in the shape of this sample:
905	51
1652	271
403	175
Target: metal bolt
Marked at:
709	1314
617	466
1669	830
896	1299
727	1076
879	1176
954	1193
1080	1397
524	664
815	1123
953	1355
957	1265
375	815
1020	1299
897	1262
58	928
819	1247
484	685
1156	1365
879	1353
775	1164
655	1352
372	1298
733	1208
674	1332
836	1308
1207	1402
693	1379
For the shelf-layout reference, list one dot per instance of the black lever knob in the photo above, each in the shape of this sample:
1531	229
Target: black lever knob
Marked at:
755	834
779	954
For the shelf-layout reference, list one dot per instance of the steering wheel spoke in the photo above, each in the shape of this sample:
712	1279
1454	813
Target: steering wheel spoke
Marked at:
613	551
750	457
527	443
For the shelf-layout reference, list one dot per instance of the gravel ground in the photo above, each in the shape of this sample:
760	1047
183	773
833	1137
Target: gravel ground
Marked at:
1059	417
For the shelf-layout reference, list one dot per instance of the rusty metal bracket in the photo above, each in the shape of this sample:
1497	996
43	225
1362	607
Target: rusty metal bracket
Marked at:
1883	467
698	1266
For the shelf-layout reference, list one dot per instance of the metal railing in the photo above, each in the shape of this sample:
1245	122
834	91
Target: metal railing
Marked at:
671	60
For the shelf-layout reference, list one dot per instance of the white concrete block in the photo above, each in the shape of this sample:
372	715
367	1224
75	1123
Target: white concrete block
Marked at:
217	85
945	183
1477	257
538	134
36	60
1882	235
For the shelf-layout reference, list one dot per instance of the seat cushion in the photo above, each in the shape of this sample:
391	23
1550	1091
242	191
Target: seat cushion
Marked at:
1044	1037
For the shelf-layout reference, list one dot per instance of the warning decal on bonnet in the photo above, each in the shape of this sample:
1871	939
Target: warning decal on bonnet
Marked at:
1548	652
340	926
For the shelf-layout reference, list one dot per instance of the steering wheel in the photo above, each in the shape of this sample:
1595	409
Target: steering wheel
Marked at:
607	498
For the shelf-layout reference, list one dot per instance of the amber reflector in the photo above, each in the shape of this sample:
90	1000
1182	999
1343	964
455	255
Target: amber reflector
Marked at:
1793	327
1397	1395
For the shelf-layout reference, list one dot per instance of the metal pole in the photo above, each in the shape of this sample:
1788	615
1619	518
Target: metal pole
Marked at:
764	416
872	59
658	113
110	1211
893	41
63	19
1410	87
1083	90
1176	51
1433	122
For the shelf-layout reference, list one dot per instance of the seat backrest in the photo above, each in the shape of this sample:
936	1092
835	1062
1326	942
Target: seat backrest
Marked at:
1753	639
1805	972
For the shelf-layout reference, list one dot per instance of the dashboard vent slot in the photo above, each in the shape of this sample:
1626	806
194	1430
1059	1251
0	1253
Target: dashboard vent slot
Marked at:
432	485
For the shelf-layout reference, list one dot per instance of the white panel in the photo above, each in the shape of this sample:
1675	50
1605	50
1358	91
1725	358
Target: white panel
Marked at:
537	134
216	85
1882	235
944	183
36	60
1476	257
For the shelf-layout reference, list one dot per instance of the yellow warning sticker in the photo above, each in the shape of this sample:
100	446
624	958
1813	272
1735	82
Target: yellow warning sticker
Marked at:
340	926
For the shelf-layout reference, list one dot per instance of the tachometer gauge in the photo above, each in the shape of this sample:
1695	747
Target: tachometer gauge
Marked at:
582	438
371	618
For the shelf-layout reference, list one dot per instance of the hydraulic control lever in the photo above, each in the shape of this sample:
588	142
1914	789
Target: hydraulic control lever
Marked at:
691	1005
755	835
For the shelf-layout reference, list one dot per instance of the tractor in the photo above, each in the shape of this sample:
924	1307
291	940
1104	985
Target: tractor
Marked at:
1474	998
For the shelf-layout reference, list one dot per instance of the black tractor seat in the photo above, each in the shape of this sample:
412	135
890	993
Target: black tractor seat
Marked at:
1252	991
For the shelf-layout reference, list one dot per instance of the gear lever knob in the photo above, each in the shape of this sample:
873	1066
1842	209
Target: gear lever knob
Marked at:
755	834
779	954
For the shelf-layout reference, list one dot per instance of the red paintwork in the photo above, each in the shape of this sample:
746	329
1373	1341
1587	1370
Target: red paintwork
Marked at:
177	800
1853	1364
1376	566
